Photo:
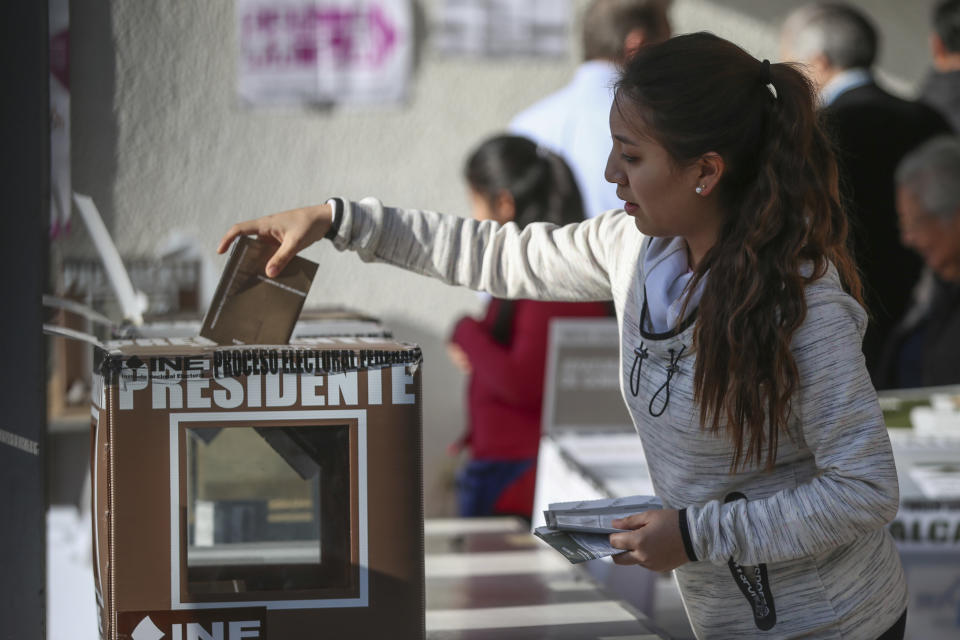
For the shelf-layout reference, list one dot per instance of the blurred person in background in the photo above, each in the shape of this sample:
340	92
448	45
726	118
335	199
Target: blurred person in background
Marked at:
872	131
511	179
574	121
924	350
941	89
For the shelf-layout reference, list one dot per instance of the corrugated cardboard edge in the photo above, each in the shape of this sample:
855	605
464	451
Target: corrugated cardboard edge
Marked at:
112	631
423	537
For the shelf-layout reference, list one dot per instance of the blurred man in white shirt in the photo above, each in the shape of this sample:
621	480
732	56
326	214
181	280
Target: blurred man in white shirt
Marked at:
574	121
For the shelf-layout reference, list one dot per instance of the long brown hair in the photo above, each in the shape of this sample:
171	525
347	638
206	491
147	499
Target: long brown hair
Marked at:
782	229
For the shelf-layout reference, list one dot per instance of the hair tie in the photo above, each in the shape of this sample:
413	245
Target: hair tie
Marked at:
766	78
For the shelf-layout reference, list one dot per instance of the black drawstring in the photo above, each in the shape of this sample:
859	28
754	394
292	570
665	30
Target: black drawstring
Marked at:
672	368
639	355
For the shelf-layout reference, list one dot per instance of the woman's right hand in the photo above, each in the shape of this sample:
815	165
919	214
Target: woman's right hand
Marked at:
292	231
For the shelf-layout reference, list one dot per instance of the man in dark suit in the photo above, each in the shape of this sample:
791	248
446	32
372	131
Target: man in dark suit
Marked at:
872	130
924	349
941	90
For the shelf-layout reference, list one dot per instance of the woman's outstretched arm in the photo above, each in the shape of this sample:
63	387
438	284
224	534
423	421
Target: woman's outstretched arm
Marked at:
541	262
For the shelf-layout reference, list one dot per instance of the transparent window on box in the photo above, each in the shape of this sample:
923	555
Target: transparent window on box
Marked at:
268	512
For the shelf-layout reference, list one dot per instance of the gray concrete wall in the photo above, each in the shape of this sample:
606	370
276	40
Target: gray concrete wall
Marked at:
162	143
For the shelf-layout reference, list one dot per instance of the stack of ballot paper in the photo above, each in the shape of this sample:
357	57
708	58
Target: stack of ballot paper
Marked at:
580	530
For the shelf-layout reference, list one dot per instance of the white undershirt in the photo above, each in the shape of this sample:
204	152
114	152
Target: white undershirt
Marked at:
667	276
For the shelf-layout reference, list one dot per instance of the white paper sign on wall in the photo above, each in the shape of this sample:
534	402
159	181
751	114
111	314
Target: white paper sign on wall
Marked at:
501	28
323	51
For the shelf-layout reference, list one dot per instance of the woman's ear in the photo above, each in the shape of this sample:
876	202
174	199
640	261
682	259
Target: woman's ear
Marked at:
938	51
504	207
710	168
635	39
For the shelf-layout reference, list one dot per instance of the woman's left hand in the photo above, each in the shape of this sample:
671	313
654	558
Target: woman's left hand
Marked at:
654	541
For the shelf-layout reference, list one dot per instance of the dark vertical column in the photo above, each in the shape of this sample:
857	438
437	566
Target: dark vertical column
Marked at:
24	197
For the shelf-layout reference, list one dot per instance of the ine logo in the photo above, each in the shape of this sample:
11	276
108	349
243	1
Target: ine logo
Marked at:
147	630
233	630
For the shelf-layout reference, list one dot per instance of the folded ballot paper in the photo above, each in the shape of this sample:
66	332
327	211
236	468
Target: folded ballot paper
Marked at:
250	308
580	530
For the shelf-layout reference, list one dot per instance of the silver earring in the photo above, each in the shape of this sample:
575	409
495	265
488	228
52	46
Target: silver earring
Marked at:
699	189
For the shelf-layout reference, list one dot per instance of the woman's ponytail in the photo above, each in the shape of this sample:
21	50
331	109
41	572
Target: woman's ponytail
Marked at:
539	181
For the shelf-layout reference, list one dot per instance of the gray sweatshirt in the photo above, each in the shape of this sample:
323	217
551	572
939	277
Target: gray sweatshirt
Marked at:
798	551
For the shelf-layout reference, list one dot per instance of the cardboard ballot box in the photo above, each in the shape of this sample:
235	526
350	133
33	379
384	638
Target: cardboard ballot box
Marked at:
257	491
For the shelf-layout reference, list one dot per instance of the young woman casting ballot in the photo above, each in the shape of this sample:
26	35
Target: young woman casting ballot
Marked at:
740	338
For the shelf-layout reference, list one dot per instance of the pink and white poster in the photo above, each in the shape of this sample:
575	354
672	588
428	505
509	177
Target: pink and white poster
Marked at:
59	23
324	51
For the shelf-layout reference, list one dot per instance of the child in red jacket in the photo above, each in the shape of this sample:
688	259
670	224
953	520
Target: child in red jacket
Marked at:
511	179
